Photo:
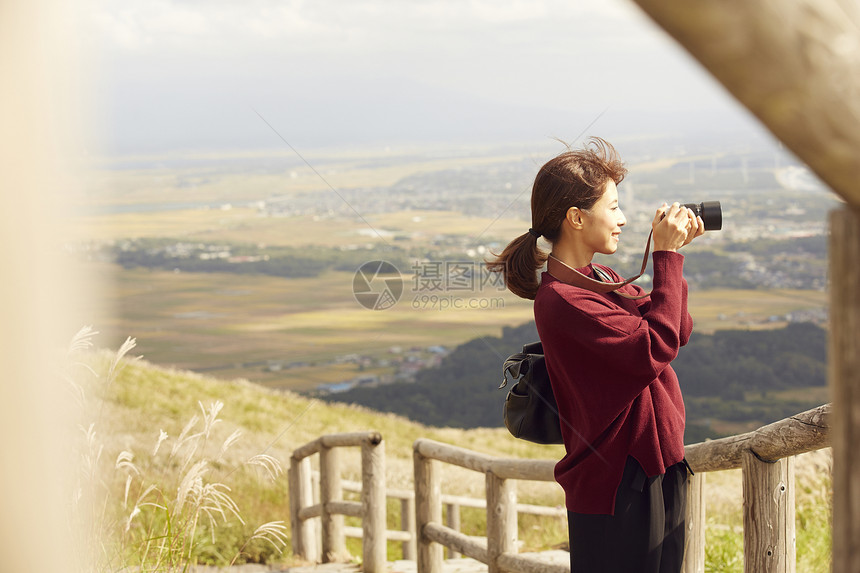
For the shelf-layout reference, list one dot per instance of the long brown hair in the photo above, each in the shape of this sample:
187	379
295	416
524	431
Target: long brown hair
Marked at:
575	178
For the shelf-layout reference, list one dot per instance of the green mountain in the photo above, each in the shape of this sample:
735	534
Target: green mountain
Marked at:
731	375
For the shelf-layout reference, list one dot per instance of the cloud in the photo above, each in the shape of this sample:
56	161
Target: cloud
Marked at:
216	27
173	69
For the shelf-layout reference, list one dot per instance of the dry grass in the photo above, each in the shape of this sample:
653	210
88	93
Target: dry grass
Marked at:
166	508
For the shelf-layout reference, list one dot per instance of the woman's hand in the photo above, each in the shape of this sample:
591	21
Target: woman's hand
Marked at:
697	227
675	226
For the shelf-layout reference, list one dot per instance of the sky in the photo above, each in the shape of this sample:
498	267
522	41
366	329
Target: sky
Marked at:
193	75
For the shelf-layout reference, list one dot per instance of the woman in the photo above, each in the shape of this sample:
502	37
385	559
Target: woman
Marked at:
608	358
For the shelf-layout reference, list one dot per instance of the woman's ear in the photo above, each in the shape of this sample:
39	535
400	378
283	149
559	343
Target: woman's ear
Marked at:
574	217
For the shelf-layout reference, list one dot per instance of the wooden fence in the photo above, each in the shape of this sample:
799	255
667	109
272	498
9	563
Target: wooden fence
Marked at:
765	456
317	508
452	503
332	507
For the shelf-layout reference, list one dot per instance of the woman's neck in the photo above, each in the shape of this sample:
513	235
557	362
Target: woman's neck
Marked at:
573	255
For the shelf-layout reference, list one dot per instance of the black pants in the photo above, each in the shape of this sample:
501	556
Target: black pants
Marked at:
646	534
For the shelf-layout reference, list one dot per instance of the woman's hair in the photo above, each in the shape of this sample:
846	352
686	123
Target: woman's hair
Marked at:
575	178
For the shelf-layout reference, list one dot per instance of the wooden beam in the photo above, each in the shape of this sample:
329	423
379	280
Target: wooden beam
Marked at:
694	552
373	504
407	524
769	539
501	519
844	375
428	511
460	542
803	432
333	540
452	520
795	64
304	538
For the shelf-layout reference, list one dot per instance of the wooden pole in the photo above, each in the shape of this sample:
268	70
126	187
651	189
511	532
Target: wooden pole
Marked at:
769	540
844	358
793	63
304	538
501	520
470	546
373	504
333	539
694	552
407	523
295	523
803	432
452	520
428	509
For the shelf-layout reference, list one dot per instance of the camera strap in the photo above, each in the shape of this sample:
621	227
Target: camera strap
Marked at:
571	276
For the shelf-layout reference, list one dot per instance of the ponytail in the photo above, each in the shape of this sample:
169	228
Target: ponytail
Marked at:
574	178
519	264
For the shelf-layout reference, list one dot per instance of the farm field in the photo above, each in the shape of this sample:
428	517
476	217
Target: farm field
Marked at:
247	225
217	322
288	333
249	176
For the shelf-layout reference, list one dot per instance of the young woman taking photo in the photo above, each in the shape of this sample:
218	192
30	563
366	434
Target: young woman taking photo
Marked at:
608	357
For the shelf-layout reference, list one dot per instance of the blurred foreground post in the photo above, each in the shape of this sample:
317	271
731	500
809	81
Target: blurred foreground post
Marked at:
792	63
845	386
37	104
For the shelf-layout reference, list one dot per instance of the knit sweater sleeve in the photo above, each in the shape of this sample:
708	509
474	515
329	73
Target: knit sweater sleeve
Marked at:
644	304
625	351
686	319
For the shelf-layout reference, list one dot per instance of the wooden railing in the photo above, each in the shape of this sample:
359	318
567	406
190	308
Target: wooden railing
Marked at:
766	459
324	505
452	503
765	456
499	551
332	507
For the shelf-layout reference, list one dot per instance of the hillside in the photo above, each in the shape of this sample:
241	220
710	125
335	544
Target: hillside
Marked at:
137	425
731	376
129	408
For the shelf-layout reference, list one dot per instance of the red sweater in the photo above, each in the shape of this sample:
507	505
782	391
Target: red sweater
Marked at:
608	360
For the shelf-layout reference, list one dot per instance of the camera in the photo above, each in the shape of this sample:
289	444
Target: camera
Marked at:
711	213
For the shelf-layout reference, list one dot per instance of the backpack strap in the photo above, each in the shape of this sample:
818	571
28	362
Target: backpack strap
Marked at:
516	365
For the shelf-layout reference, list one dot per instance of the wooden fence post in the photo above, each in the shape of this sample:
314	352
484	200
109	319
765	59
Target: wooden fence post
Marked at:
407	523
297	537
304	539
452	520
501	519
694	552
428	509
769	541
844	374
333	539
373	505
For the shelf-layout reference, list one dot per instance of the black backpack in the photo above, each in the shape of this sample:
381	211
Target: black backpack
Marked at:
530	410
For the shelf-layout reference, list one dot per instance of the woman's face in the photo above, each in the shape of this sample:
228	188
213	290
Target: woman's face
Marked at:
602	223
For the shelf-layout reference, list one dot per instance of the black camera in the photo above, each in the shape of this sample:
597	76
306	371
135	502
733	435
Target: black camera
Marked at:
711	213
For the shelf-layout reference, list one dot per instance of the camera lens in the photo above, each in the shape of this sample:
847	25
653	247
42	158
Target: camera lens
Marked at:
711	213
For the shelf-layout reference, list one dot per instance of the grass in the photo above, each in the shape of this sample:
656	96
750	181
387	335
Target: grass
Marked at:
164	508
141	400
